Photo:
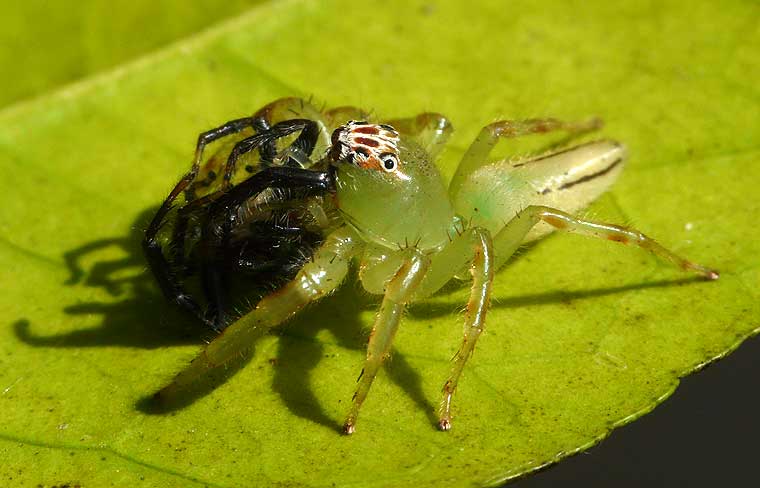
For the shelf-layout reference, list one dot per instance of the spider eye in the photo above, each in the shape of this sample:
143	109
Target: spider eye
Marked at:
390	162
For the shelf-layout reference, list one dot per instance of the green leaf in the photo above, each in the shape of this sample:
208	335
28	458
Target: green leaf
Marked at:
61	42
583	336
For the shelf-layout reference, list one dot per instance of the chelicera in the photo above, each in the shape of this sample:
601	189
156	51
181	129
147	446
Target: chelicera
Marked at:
295	194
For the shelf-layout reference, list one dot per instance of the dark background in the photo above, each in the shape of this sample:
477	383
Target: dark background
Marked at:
707	434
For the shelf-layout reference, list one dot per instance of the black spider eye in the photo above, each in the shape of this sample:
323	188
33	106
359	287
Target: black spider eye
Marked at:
389	162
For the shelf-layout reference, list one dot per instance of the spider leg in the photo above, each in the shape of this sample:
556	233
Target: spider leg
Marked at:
509	238
472	249
287	109
316	279
398	293
431	130
226	129
482	270
477	154
165	276
303	145
487	256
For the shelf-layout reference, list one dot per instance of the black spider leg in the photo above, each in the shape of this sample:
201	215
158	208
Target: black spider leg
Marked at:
268	149
163	272
179	232
222	216
305	143
263	121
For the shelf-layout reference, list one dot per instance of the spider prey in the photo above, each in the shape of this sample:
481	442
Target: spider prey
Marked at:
294	194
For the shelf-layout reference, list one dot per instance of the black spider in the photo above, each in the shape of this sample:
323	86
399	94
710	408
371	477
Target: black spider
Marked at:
237	225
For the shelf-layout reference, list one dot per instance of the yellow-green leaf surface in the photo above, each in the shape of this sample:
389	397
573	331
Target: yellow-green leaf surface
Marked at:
46	44
582	336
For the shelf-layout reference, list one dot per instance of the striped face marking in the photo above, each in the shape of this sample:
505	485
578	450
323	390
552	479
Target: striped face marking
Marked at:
369	146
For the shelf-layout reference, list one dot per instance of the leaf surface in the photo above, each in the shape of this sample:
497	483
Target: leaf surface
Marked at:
582	336
44	45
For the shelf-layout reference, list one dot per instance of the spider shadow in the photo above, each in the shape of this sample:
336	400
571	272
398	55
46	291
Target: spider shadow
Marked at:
138	316
299	351
299	345
134	314
428	310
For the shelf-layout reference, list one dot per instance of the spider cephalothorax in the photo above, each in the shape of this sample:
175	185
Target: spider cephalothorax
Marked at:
288	207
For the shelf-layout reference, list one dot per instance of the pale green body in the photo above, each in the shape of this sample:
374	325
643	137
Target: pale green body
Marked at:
411	234
390	212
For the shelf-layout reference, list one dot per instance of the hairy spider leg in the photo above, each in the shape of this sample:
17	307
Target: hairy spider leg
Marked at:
510	237
482	270
431	130
316	279
398	293
286	109
304	144
471	248
165	277
475	247
477	154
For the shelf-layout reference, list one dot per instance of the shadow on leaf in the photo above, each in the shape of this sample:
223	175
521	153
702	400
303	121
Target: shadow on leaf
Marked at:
429	310
155	404
140	317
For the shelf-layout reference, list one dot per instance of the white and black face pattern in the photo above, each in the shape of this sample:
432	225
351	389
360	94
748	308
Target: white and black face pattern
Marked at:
369	146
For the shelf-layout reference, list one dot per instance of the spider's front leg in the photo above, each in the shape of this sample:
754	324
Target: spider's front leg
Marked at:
338	116
430	130
318	277
398	292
